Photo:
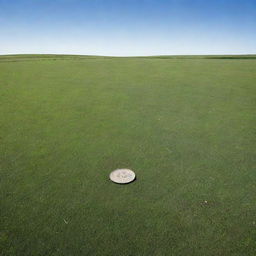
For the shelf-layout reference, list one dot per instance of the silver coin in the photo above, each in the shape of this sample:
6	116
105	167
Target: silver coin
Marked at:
122	176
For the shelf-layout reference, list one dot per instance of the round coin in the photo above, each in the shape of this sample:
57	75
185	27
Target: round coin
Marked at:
122	176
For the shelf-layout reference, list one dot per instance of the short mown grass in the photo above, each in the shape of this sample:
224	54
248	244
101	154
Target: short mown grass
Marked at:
186	126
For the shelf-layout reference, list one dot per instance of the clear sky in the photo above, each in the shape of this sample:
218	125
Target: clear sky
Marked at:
128	27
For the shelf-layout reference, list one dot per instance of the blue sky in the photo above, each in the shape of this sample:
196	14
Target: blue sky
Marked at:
128	27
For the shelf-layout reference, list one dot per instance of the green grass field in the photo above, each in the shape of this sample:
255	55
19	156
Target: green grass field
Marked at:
185	125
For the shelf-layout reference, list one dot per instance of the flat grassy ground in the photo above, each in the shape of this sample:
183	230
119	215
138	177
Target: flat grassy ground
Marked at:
186	126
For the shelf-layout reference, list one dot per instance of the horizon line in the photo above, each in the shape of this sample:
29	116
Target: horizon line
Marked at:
95	55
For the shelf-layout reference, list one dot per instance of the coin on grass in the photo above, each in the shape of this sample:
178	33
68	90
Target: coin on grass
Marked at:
122	176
